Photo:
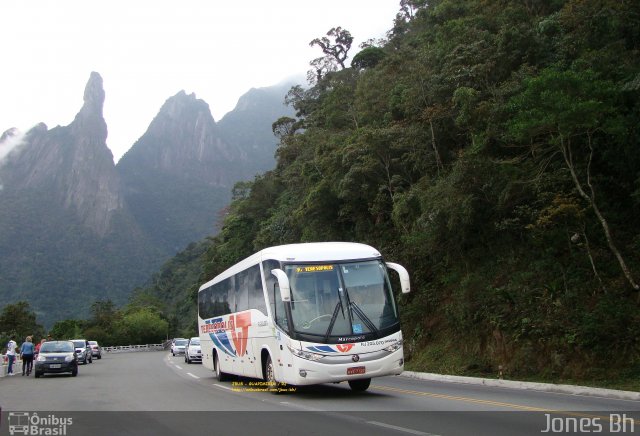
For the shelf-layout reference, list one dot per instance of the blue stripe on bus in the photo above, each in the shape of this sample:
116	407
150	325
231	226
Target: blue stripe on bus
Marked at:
222	342
322	349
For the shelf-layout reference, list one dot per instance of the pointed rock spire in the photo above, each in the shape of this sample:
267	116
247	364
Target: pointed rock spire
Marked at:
89	121
93	95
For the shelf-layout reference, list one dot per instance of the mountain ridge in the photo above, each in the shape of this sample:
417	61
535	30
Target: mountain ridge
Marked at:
80	227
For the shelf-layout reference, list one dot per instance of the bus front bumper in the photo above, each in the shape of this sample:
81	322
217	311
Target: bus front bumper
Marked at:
307	372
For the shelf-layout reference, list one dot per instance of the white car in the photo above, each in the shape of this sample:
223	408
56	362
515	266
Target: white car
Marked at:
178	346
193	352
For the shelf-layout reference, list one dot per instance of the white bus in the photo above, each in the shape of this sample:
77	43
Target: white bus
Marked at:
304	314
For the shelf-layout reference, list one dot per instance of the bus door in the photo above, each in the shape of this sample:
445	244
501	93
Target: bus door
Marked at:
241	319
280	318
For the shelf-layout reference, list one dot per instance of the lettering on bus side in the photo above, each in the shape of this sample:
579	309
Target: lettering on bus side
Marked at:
234	330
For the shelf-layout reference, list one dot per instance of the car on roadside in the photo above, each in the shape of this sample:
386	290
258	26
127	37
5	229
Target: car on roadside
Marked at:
192	351
83	350
178	346
56	357
96	350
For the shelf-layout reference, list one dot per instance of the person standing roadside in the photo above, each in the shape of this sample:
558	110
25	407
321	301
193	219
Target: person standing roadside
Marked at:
11	355
38	345
26	353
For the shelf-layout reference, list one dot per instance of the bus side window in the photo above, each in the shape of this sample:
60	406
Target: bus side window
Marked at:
256	296
242	291
273	291
279	311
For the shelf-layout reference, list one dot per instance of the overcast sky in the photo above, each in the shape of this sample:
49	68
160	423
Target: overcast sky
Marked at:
148	50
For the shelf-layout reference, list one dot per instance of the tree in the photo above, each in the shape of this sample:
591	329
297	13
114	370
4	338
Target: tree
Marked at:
284	127
369	57
144	326
336	49
569	112
104	313
17	321
67	329
101	326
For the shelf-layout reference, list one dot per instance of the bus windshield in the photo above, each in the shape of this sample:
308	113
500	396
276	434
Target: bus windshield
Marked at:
341	299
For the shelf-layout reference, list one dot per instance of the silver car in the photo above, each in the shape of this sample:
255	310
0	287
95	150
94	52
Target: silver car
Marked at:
83	350
193	352
178	346
96	350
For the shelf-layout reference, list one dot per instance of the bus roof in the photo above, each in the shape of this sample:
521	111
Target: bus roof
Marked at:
305	252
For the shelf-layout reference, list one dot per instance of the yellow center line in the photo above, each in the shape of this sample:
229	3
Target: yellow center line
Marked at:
494	403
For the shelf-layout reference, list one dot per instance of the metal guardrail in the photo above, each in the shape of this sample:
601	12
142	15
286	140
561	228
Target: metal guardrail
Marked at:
130	348
118	349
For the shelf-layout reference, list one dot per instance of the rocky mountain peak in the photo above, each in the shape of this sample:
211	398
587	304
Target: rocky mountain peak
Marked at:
8	134
183	139
72	164
183	104
93	95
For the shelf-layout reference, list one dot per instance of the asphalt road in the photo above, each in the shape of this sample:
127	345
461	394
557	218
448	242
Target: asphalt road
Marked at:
155	393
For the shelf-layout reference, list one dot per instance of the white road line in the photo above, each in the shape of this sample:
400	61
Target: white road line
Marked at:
222	387
402	429
194	376
178	366
298	406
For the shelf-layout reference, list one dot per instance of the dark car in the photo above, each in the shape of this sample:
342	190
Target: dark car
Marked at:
56	357
96	350
83	350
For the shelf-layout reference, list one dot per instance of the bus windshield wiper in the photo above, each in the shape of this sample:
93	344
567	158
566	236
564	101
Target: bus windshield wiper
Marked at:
363	316
333	319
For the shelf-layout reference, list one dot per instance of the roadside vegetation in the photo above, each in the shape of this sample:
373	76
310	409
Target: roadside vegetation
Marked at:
492	149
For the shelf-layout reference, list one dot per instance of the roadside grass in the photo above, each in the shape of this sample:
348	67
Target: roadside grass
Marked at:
444	359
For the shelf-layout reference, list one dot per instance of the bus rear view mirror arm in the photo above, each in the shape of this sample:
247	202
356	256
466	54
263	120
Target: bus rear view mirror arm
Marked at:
283	283
404	276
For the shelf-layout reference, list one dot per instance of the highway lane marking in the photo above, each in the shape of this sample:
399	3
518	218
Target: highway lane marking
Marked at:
222	387
402	429
299	406
178	366
194	376
494	403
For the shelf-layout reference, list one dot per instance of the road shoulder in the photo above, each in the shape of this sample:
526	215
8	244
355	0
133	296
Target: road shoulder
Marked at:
543	387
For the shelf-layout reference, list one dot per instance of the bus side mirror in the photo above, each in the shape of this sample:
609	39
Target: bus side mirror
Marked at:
404	276
283	283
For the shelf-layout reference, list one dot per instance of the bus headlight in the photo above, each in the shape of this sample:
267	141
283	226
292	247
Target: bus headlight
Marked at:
305	354
393	347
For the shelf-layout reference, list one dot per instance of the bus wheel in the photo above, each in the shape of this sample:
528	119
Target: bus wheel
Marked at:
269	374
221	376
360	385
270	377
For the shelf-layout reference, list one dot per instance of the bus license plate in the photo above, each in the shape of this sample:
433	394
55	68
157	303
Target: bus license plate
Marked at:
356	370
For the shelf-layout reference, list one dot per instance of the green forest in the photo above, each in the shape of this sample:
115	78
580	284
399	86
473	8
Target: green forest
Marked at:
493	149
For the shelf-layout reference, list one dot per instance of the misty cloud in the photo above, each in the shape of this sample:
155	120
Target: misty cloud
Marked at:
11	140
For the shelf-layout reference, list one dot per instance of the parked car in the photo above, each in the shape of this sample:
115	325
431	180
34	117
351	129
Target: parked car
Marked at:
96	350
193	352
83	350
56	357
178	346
